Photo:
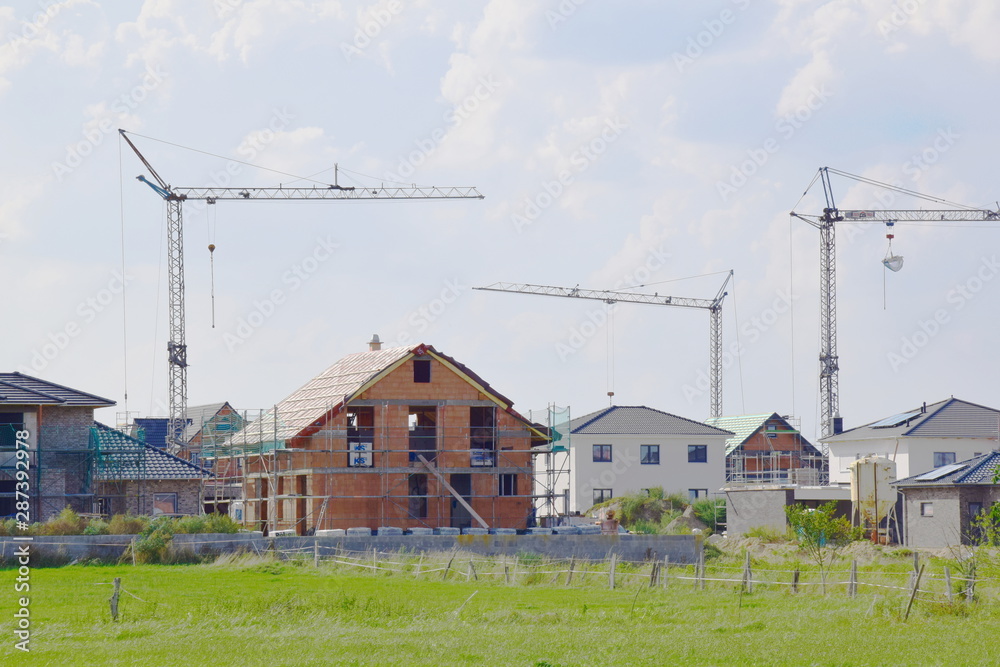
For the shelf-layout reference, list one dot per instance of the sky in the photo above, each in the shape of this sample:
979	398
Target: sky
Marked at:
645	146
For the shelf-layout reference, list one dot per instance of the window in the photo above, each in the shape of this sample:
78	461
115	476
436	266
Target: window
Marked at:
926	509
695	494
508	485
943	459
422	421
601	495
602	453
649	454
422	370
975	509
418	496
164	503
697	453
482	435
10	424
196	458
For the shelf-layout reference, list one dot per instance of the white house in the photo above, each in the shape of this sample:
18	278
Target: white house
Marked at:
624	449
918	440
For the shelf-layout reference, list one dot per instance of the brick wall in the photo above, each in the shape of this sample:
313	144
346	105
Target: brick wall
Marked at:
376	499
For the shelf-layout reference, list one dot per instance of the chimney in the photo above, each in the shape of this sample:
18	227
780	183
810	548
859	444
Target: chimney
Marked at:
924	408
374	345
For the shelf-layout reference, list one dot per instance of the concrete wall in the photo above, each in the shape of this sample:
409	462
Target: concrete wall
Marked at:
752	508
680	548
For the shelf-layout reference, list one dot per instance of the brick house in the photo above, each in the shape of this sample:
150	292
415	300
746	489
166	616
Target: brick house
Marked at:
57	420
134	477
405	437
767	449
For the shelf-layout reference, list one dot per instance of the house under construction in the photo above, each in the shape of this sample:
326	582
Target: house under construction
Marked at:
405	437
769	449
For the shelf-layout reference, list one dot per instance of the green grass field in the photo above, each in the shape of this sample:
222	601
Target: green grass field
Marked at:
260	612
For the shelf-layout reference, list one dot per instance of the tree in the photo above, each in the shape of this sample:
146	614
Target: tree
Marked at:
820	533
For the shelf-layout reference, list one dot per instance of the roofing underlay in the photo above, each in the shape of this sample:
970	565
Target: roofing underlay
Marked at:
19	389
950	418
744	426
977	470
639	420
122	457
334	387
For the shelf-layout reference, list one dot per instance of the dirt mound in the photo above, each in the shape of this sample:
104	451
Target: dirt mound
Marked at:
686	520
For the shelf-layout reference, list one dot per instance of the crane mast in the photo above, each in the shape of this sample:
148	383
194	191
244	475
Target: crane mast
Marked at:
714	306
176	196
826	223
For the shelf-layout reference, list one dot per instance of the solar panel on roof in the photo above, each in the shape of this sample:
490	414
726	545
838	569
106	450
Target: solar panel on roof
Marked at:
895	420
938	473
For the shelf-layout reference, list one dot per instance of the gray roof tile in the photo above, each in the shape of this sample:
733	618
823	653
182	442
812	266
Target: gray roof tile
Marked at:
19	389
122	457
950	418
639	420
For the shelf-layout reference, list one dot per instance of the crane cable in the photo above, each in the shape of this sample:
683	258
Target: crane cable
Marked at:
121	210
210	220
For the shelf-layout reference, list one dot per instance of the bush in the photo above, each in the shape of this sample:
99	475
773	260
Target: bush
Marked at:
96	527
127	524
153	542
67	523
710	511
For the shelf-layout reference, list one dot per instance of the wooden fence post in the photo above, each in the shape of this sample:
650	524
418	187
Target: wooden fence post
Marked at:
747	574
852	585
569	576
701	568
611	570
970	584
916	567
666	570
947	584
913	593
653	573
795	581
114	598
506	571
447	568
315	554
471	573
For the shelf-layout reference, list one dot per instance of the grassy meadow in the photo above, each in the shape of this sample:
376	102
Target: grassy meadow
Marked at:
258	611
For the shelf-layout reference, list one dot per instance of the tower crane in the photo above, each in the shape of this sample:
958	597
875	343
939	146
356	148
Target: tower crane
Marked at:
714	306
175	198
826	222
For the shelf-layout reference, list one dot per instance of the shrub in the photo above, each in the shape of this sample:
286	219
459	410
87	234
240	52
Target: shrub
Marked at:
67	523
154	541
96	527
710	511
126	524
644	527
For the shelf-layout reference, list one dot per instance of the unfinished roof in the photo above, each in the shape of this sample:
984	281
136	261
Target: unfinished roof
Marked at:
951	418
199	415
744	426
19	389
121	457
977	470
639	420
337	385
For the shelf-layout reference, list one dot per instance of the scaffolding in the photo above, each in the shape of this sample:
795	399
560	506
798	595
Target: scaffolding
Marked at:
408	464
552	465
763	459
